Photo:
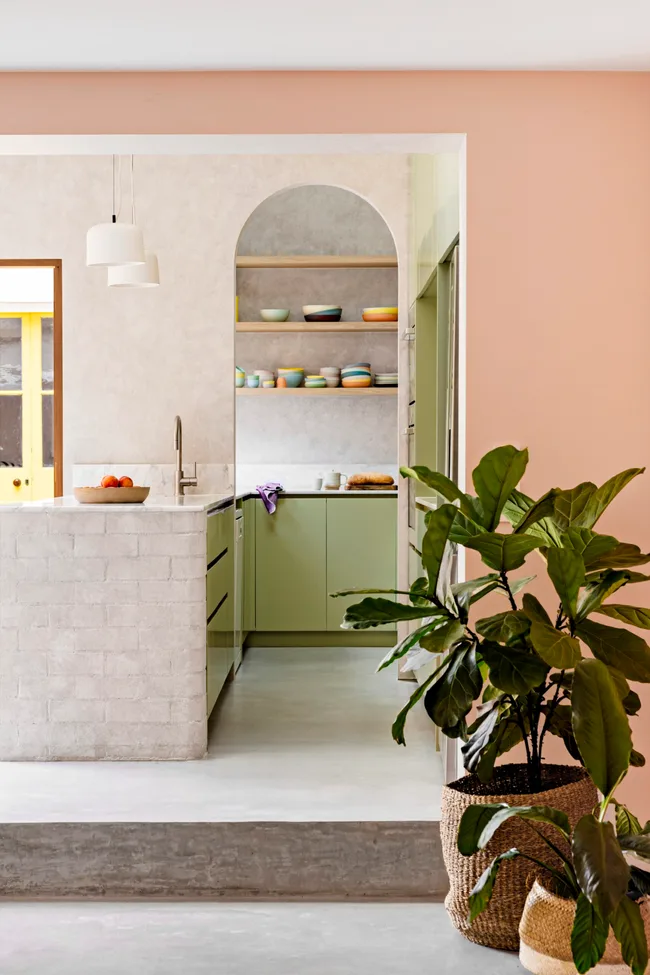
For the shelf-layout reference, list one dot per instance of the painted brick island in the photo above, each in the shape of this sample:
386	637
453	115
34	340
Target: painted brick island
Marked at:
103	630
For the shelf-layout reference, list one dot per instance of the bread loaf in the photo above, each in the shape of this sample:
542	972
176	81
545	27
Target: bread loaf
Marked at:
371	487
370	478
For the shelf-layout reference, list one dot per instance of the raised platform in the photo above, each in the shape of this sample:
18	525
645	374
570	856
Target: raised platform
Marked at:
303	794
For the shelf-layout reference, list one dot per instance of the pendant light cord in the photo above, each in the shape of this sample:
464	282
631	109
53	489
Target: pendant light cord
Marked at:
114	218
117	188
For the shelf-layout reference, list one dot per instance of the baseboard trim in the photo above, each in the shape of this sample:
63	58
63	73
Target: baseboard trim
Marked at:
329	638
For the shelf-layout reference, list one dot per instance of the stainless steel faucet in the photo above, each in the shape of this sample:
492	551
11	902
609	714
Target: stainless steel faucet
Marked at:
180	481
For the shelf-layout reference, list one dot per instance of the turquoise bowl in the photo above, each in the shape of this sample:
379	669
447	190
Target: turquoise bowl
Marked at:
293	379
252	382
274	314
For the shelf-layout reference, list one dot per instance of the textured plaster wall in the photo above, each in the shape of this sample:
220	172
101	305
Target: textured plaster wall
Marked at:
311	220
133	359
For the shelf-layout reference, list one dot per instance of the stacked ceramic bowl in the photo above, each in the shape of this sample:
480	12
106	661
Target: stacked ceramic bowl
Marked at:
322	313
293	376
382	314
386	379
331	374
356	376
240	377
315	382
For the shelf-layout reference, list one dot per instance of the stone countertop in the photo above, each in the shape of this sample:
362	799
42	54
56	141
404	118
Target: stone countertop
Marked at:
196	502
190	502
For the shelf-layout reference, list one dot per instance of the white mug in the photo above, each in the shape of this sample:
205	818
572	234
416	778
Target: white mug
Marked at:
332	480
318	483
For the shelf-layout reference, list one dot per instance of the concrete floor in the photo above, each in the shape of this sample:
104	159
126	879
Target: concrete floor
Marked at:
301	735
239	939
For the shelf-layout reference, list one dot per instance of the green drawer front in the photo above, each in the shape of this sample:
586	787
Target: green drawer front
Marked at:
220	584
221	532
361	550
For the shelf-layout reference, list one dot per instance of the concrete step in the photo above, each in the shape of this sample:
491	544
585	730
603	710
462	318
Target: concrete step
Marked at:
334	860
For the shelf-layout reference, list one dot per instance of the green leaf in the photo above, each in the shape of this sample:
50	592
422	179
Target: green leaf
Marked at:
374	612
513	671
596	595
399	722
604	495
482	891
600	866
626	821
503	552
517	506
446	488
504	627
463	529
479	823
434	544
442	637
556	648
634	615
618	648
418	592
496	476
629	931
588	935
403	647
539	510
535	611
482	750
453	694
637	760
600	725
622	556
587	543
570	506
516	585
597	576
466	593
567	573
639	844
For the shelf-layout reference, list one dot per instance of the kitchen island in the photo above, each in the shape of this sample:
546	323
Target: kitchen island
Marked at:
103	629
120	624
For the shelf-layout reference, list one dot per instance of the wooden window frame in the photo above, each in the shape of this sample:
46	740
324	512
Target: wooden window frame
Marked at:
57	305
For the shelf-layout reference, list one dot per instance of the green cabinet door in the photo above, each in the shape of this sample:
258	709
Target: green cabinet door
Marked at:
361	549
249	565
290	559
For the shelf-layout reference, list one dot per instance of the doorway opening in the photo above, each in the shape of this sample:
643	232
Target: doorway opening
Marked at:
31	409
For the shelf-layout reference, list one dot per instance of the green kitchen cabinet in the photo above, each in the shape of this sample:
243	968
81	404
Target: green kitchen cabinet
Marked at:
290	565
220	601
361	549
248	622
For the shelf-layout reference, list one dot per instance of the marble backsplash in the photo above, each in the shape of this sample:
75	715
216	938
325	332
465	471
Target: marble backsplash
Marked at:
212	478
301	477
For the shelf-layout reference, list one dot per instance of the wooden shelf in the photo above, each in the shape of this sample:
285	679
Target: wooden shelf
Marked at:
321	327
317	260
320	391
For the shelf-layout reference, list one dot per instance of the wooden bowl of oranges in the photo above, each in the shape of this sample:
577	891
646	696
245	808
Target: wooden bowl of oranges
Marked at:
112	490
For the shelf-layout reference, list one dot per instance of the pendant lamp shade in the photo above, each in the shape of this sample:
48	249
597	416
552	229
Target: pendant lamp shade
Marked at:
114	244
135	275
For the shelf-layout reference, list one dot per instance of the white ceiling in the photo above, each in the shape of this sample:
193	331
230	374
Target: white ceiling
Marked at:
82	35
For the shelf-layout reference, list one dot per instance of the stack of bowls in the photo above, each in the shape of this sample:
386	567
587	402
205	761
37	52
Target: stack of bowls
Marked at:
293	375
264	374
322	313
332	375
356	376
382	314
386	379
240	377
315	382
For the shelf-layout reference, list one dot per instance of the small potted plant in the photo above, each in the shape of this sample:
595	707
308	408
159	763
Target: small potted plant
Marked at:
507	679
591	910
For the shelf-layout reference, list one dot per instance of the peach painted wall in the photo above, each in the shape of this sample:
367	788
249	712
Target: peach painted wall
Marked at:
558	273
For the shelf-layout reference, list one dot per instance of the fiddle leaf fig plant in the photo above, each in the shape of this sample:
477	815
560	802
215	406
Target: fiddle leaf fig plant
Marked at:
514	669
592	864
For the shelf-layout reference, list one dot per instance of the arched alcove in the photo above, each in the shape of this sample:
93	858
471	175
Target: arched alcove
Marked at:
275	431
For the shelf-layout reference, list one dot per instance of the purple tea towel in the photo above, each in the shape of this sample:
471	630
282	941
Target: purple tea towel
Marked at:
269	494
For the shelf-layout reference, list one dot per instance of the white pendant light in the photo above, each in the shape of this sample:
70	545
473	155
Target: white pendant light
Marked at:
114	244
135	275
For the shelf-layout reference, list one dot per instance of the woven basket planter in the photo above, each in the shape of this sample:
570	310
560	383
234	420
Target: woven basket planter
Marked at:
566	787
545	932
